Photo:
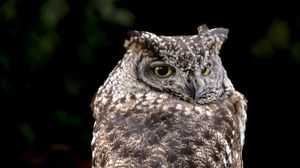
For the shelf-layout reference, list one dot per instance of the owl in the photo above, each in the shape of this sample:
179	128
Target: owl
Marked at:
169	103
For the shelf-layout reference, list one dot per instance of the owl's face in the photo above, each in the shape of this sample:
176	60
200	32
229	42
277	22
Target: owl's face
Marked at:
186	66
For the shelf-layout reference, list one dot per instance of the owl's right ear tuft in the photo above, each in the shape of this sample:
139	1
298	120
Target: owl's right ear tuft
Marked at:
221	32
221	35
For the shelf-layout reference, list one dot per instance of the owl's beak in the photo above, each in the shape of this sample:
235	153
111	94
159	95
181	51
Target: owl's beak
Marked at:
196	87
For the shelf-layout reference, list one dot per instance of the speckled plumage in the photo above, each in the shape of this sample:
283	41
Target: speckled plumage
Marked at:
188	119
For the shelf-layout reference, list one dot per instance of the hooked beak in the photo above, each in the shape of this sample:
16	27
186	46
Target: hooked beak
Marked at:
196	87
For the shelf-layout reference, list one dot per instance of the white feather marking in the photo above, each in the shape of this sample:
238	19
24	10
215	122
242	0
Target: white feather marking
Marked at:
93	153
165	107
198	108
227	149
179	107
93	140
159	101
150	96
225	161
104	100
242	122
139	95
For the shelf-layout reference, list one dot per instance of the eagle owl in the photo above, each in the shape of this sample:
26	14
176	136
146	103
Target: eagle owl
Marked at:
169	103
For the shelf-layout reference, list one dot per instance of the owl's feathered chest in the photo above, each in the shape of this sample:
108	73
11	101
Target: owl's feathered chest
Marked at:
149	129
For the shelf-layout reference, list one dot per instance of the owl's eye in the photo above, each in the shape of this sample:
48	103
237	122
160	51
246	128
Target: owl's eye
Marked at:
163	71
206	70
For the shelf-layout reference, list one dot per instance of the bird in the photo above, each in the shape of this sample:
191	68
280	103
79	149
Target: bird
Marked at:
169	103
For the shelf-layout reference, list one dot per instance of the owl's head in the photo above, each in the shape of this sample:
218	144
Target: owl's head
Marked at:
185	66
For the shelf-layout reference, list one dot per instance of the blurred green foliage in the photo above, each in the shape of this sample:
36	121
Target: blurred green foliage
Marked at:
8	10
69	119
28	133
279	37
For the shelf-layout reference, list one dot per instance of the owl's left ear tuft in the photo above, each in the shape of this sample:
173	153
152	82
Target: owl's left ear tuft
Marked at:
133	33
202	29
132	37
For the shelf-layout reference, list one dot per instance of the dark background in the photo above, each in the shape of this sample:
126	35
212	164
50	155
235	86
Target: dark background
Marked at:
54	54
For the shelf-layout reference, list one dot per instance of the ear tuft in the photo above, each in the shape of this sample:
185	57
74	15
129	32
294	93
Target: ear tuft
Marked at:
221	32
220	37
132	37
202	29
